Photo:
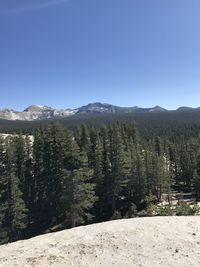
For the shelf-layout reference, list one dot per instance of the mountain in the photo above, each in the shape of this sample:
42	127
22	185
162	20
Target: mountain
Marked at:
36	112
185	109
98	108
108	108
155	241
35	108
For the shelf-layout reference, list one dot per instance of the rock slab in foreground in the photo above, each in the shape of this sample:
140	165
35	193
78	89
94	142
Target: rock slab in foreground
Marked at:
157	241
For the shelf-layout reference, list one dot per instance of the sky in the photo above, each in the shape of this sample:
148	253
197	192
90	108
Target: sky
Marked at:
67	53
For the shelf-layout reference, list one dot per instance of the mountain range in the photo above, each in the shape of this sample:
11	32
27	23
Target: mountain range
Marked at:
36	112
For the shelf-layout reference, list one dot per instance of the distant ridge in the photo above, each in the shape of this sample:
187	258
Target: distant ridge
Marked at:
187	109
38	112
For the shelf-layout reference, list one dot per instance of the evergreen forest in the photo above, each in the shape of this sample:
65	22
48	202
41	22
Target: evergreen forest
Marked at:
71	176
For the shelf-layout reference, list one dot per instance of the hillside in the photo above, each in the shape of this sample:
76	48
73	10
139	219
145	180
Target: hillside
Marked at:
156	241
149	124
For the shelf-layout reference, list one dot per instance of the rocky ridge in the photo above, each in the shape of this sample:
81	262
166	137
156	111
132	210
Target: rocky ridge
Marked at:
36	112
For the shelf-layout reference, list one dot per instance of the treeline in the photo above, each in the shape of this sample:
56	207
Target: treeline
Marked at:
171	125
73	177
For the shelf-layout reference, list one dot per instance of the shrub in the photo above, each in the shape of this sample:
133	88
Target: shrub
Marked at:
151	210
116	215
150	200
165	211
183	209
132	211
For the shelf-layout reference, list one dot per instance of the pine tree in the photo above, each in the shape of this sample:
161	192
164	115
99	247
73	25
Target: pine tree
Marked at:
196	179
20	158
23	166
83	139
187	164
15	210
136	178
196	185
3	232
49	154
54	154
140	178
78	192
158	146
98	178
38	185
103	195
28	195
118	176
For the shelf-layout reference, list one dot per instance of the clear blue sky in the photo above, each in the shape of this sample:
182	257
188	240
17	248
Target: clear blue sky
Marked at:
125	52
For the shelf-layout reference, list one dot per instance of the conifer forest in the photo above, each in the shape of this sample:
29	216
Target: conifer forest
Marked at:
70	176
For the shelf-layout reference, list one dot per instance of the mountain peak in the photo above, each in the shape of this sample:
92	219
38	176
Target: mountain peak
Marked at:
42	112
184	108
37	108
157	108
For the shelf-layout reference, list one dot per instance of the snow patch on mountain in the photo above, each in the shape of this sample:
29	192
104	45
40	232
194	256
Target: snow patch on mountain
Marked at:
35	112
42	112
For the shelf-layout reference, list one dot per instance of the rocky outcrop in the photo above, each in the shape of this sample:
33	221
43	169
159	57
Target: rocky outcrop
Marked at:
156	241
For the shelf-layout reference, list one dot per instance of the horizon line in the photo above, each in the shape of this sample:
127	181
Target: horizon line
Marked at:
103	103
